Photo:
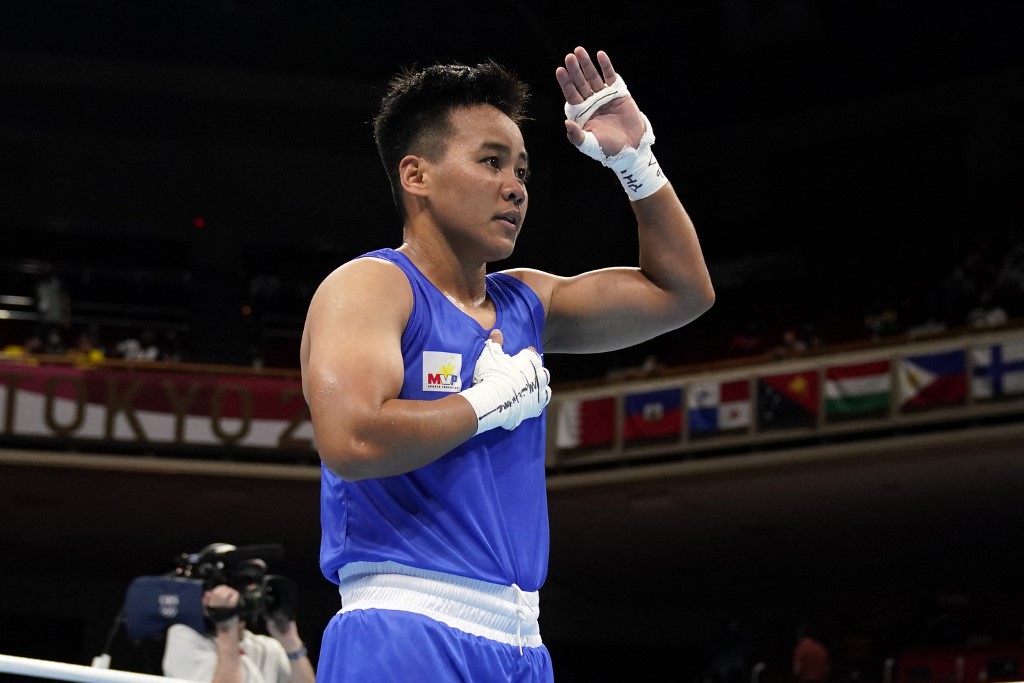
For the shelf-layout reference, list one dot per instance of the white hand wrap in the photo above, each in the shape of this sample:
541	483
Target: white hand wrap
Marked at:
581	113
636	168
507	389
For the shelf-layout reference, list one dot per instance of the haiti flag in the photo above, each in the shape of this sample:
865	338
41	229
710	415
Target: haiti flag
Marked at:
653	415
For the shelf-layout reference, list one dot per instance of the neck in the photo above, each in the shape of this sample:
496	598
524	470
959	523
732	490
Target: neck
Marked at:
463	281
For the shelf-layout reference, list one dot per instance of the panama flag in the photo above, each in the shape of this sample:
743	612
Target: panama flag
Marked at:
718	406
585	423
653	415
936	379
998	370
858	390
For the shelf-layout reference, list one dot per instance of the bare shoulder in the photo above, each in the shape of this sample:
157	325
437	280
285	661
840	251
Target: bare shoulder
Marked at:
366	268
362	282
361	299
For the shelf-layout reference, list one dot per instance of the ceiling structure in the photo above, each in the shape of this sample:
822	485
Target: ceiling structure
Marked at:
737	90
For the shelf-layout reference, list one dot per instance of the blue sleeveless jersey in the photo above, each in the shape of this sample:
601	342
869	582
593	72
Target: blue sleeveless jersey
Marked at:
480	510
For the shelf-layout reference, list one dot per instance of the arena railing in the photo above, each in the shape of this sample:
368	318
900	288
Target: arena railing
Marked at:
976	377
119	406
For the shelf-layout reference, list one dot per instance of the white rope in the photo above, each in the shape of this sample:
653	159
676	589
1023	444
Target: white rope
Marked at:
61	671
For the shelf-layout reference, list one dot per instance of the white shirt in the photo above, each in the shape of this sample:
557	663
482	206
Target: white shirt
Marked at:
193	656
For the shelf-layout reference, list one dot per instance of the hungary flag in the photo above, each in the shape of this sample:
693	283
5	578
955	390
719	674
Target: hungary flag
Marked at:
858	390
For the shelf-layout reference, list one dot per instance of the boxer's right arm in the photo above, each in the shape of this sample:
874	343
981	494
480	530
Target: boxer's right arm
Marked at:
352	372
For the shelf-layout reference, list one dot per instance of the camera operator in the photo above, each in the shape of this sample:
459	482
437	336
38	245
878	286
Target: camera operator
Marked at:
230	652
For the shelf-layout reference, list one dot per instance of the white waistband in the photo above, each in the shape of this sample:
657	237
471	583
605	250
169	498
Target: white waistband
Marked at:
506	614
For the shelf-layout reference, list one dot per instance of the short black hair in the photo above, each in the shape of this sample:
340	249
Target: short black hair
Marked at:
414	113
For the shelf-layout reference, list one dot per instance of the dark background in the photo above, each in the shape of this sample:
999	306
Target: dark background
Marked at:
864	147
837	157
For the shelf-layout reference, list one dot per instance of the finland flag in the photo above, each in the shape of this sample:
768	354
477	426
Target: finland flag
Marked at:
998	370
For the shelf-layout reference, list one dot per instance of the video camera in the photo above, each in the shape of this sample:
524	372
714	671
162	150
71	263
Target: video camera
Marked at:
153	603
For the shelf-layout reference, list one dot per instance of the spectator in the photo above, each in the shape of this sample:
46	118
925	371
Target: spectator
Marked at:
647	367
651	364
52	303
812	337
730	657
256	357
988	312
812	661
955	296
882	323
747	342
85	351
53	342
144	348
793	344
33	344
1008	283
171	351
856	658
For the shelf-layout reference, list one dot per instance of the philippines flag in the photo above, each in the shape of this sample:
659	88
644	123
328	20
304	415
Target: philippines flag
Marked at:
653	415
586	423
936	379
718	406
998	370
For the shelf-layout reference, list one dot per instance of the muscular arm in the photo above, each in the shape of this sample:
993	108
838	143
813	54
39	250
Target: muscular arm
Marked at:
352	372
613	308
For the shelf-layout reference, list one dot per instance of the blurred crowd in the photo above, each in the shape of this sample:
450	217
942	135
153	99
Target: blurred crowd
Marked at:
985	288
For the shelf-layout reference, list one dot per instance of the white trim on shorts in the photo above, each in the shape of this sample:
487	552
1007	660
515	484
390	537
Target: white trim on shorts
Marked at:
506	614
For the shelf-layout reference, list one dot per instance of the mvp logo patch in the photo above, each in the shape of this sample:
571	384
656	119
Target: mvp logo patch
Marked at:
442	371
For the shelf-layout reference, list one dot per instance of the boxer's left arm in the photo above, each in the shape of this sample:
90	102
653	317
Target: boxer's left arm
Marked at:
612	308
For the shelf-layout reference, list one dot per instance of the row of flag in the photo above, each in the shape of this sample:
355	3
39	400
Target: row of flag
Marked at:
797	399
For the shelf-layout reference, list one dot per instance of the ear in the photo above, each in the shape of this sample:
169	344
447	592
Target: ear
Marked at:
412	171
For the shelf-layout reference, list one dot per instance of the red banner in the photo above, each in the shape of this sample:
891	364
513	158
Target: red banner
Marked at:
153	406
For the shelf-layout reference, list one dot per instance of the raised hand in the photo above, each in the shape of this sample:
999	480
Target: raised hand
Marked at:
613	117
604	122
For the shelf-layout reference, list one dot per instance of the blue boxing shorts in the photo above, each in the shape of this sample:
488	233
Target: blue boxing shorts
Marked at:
399	624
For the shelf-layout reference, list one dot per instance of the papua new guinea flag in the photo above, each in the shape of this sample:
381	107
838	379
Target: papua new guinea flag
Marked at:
932	380
788	400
